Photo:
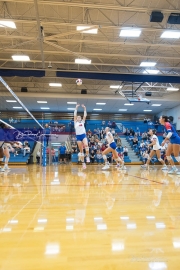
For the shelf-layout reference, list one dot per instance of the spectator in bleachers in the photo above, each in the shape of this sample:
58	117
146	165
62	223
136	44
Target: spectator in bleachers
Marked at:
103	147
103	123
144	136
121	155
89	134
11	120
102	133
131	137
125	151
62	153
26	150
109	157
74	147
132	131
113	124
138	131
127	132
92	156
98	132
145	156
119	143
99	157
135	142
116	137
145	120
109	124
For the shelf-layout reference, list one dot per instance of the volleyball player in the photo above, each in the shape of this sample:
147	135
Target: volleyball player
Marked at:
173	146
111	149
155	151
81	135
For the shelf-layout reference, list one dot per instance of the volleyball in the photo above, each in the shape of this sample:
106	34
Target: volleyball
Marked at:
79	82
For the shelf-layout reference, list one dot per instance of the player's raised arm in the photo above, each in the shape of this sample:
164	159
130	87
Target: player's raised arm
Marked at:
75	113
85	113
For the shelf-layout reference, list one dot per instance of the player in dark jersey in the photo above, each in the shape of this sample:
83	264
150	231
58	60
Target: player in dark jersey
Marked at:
173	146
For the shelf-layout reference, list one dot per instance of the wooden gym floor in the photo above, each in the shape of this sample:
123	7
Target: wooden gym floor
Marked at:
64	218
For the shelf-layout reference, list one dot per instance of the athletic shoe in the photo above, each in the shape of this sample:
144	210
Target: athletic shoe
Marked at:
2	170
87	159
164	168
144	166
122	167
106	167
173	171
84	166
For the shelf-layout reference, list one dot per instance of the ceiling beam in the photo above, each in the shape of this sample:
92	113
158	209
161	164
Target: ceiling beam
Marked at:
96	6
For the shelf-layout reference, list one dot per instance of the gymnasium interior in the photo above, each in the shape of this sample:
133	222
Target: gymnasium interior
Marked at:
121	60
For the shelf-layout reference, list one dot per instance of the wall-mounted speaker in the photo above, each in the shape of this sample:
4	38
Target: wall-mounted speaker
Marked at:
156	16
174	18
24	89
83	92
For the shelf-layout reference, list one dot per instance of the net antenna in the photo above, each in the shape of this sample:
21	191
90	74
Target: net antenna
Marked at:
18	100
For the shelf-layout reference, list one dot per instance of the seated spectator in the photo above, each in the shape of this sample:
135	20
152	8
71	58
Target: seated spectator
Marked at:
109	157
92	156
99	157
26	150
113	125
56	128
116	137
89	134
145	120
125	151
135	142
132	131
109	124
119	143
102	133
103	123
98	132
11	120
142	143
138	131
144	136
74	147
131	137
103	147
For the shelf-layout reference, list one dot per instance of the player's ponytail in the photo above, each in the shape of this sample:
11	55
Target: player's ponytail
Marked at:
166	118
154	131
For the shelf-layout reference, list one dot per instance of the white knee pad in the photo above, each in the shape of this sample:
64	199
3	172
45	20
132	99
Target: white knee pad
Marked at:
177	158
6	160
149	158
118	159
87	149
160	159
169	158
104	157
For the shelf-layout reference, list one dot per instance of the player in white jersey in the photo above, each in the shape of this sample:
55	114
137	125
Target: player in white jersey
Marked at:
81	135
155	151
111	148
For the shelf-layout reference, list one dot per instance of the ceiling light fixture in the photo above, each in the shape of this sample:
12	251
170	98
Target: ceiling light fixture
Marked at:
130	33
45	108
17	107
156	105
71	103
84	29
13	101
170	34
20	57
115	86
147	110
151	71
172	89
97	109
128	104
71	109
122	110
147	64
9	24
100	103
41	101
82	61
55	84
